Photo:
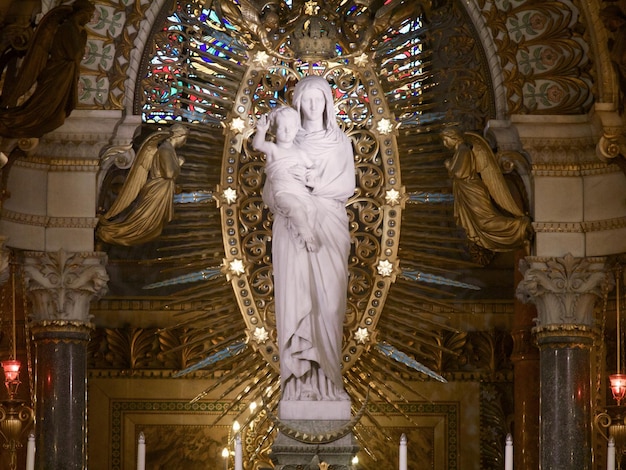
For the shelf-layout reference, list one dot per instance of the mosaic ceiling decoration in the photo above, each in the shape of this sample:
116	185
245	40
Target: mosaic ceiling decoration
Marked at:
540	46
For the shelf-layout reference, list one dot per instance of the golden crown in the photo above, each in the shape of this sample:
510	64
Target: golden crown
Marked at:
314	38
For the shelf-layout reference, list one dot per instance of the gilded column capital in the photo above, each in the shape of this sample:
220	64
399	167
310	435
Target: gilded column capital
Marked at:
61	285
564	290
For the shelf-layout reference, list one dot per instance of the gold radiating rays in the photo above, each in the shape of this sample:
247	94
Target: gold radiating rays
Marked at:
203	75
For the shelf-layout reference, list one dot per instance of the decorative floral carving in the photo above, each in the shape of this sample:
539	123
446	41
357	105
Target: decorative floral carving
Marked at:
563	289
62	285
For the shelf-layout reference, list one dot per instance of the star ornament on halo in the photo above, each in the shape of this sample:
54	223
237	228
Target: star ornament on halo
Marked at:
233	268
362	335
236	267
260	335
384	126
392	197
237	125
230	195
262	59
361	60
385	268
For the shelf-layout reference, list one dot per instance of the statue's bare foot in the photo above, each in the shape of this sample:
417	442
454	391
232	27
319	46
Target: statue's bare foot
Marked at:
309	396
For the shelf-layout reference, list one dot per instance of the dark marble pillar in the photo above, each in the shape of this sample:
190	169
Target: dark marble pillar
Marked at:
525	359
61	351
565	396
61	286
564	291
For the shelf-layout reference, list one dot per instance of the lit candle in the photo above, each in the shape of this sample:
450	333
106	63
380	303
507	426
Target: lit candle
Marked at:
225	454
508	453
403	459
610	455
141	452
238	453
30	452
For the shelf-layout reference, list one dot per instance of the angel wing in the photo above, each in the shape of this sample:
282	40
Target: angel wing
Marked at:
37	54
245	15
138	174
487	166
395	10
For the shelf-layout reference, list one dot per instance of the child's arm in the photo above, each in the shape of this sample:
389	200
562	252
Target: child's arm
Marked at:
259	142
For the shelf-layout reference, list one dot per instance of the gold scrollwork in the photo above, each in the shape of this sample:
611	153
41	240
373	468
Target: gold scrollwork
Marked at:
377	171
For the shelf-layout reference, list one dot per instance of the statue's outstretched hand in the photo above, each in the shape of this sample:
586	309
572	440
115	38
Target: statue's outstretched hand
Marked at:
263	123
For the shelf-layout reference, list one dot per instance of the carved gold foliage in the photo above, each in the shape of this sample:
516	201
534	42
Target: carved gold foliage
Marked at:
477	351
455	359
493	426
132	348
170	355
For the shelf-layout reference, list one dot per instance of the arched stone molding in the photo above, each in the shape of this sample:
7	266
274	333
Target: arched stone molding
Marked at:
139	45
606	81
491	53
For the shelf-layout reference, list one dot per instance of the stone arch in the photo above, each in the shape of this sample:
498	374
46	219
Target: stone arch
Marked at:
606	82
136	55
491	54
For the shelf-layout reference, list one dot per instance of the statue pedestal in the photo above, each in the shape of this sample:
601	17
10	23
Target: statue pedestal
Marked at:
314	410
314	432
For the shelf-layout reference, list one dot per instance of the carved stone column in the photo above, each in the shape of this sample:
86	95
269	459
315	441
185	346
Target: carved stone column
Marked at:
61	286
564	291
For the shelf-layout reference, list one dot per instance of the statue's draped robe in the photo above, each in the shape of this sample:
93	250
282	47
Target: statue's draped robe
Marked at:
56	93
154	205
476	212
310	288
290	197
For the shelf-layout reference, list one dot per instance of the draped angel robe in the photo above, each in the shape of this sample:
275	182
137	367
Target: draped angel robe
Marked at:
310	288
154	205
474	209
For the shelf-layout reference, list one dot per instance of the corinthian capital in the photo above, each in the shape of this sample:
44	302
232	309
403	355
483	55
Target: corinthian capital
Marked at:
564	290
61	285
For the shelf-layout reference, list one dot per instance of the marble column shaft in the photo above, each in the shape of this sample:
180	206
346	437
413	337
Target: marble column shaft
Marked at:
61	286
61	351
564	290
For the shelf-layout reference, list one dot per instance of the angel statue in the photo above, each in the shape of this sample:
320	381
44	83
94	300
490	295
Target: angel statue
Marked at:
52	66
145	202
483	204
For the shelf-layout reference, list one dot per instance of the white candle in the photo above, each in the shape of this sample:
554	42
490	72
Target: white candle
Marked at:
141	452
508	453
30	452
403	459
238	453
610	455
225	454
